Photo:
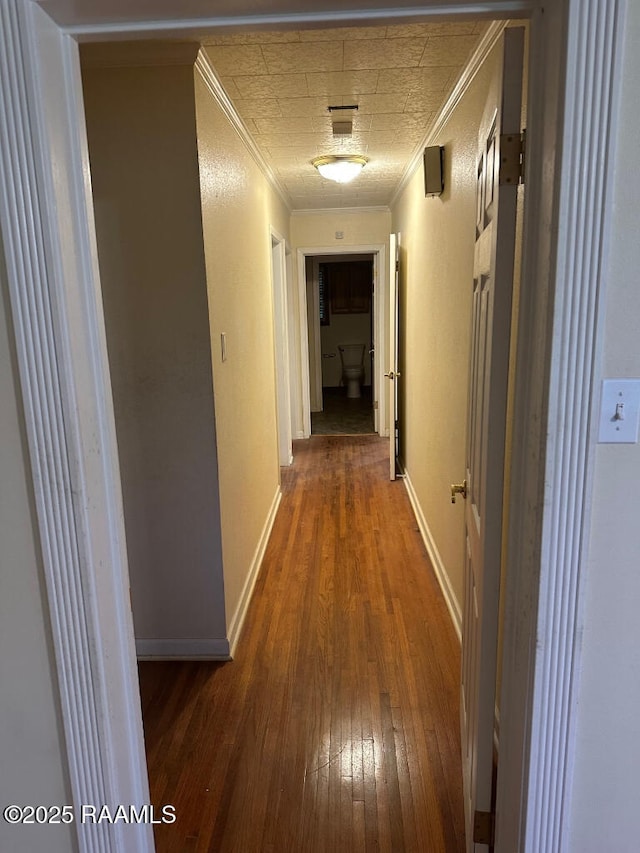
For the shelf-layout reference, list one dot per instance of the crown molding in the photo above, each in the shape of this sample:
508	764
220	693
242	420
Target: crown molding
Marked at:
486	45
209	77
136	54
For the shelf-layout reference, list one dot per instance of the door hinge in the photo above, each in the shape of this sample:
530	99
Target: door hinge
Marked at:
397	266
483	823
512	158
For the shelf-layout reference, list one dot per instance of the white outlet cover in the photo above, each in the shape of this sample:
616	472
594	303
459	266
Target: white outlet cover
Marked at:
619	397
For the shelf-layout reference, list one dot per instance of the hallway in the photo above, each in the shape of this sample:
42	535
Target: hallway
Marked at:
336	727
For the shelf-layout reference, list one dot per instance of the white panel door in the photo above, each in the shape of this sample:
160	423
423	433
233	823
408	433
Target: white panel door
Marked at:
488	377
393	375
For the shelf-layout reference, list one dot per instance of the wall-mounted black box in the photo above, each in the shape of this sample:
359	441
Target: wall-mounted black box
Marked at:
434	170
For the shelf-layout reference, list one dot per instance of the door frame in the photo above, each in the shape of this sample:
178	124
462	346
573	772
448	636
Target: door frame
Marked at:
380	288
314	337
281	345
49	237
292	322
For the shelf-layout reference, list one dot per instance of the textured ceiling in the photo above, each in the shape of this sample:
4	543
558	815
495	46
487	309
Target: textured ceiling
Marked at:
281	84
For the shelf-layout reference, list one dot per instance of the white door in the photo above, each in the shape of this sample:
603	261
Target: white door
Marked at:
393	375
491	324
312	328
281	344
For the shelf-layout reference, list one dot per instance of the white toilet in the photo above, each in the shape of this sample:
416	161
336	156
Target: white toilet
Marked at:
352	357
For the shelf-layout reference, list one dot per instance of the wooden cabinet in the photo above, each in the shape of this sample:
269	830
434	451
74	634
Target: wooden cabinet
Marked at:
350	287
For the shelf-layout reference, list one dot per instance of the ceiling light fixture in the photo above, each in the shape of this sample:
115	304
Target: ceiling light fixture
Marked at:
340	168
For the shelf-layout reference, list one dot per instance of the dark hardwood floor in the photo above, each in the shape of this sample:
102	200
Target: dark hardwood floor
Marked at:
335	729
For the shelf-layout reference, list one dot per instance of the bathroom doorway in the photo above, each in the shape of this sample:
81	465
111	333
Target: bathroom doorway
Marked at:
341	325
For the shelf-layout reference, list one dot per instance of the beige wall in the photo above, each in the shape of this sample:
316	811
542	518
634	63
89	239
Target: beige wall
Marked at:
31	747
359	228
436	271
604	813
142	139
238	208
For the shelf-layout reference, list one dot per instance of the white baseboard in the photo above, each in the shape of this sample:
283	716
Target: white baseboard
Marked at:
241	611
438	566
300	434
181	649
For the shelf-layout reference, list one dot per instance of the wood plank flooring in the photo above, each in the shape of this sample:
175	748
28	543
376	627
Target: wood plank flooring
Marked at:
335	729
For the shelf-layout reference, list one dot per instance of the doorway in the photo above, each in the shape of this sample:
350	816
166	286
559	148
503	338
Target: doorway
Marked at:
341	318
83	362
354	315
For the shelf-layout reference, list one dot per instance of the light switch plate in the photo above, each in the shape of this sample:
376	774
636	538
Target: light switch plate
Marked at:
619	411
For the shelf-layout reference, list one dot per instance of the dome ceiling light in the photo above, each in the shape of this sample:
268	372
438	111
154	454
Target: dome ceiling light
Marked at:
339	167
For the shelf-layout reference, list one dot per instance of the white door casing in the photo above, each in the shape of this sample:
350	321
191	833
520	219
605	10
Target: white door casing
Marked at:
294	365
306	324
46	216
486	429
314	337
575	53
376	345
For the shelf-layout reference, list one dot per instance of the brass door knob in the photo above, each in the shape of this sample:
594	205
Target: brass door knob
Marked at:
458	489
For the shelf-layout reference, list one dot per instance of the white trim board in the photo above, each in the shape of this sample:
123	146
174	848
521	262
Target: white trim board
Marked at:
579	263
453	606
183	649
46	215
281	339
237	621
278	19
574	86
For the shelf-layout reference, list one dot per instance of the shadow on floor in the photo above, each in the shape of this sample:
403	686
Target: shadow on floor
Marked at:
342	415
